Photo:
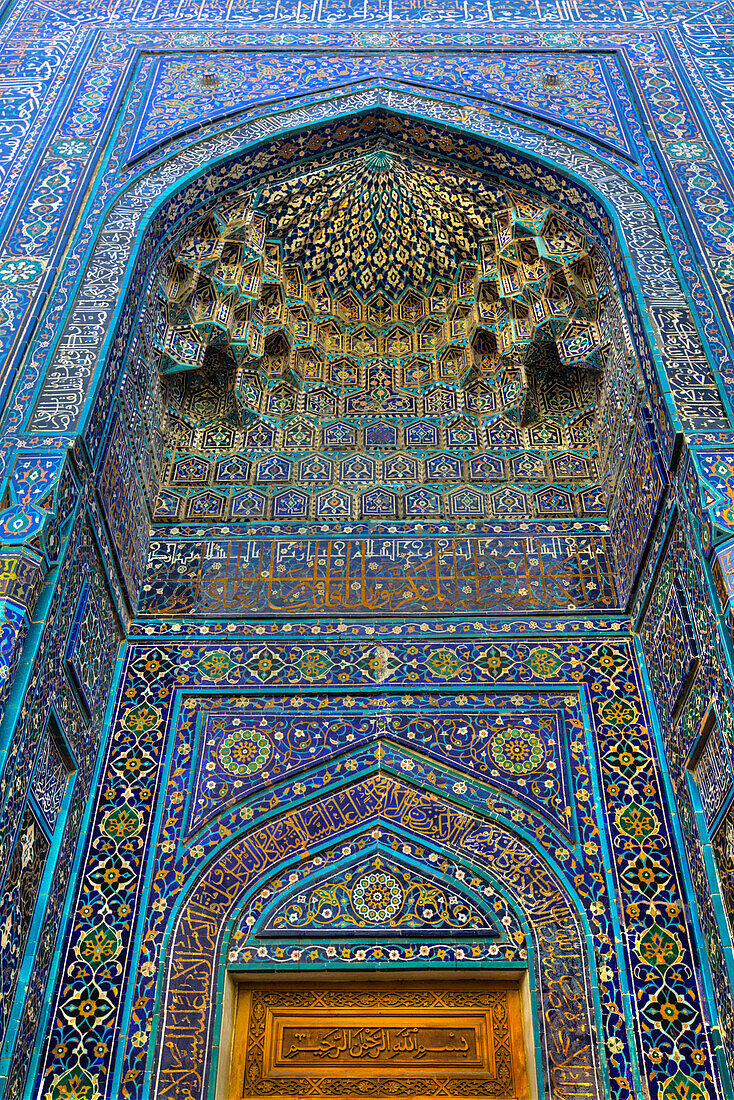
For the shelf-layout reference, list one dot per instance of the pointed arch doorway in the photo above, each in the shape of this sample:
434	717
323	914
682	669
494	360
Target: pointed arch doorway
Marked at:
463	390
379	898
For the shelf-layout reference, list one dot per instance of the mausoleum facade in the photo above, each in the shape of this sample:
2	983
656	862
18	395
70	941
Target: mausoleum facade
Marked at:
367	530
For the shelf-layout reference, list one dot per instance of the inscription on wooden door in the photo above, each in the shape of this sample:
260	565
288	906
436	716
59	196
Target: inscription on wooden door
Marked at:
457	1041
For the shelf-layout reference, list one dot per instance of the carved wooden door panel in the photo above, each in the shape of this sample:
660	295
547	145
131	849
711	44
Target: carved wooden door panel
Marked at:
338	1041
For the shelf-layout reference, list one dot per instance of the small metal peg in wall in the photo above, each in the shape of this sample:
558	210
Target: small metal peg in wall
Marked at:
209	82
552	82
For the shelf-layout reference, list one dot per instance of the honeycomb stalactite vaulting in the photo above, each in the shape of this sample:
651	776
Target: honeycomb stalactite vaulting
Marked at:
385	338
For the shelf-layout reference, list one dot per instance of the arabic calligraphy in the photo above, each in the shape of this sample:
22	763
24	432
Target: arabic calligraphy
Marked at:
425	1047
398	1040
445	1046
378	575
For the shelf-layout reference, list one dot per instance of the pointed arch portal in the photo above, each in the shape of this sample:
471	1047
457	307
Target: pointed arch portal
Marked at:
381	375
514	377
541	926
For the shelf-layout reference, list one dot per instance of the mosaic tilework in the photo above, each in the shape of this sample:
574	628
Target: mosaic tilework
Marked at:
40	496
21	580
511	342
371	893
712	774
709	884
525	744
37	765
34	478
50	777
408	792
638	498
20	888
513	864
583	97
203	39
565	21
125	510
431	897
671	641
658	268
656	273
636	108
722	844
91	640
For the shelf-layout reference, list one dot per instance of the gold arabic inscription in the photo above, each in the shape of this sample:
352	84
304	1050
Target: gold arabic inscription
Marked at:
369	1039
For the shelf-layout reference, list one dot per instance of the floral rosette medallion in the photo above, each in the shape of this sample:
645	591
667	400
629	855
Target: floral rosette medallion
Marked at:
517	750
243	752
377	897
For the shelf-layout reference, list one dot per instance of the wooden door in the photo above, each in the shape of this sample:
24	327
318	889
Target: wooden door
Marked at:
408	1040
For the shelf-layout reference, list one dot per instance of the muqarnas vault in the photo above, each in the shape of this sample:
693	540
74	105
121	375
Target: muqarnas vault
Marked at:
367	551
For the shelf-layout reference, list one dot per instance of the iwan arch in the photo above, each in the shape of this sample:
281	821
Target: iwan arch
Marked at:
412	757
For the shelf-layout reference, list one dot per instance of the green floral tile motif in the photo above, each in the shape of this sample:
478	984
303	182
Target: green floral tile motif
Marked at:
314	664
400	814
517	750
444	663
244	751
378	898
216	665
544	662
237	739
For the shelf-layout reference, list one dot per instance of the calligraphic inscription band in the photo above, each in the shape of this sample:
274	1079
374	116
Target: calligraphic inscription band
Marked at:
309	1041
498	574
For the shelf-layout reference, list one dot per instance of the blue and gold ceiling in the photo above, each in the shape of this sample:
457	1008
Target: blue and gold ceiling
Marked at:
382	222
379	335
